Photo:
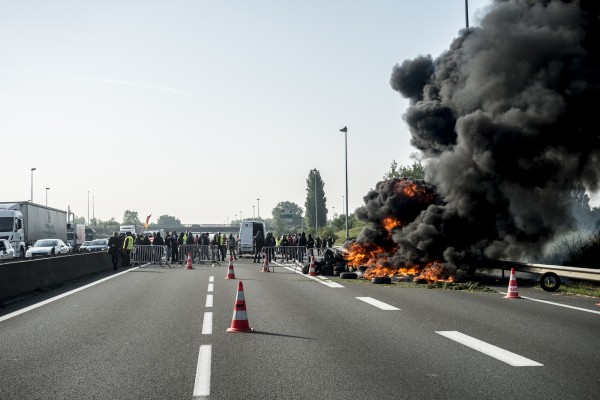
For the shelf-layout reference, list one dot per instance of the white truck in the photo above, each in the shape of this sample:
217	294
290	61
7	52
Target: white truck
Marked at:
248	230
23	222
134	229
76	236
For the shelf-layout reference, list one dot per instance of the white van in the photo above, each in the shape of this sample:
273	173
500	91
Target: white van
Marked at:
248	230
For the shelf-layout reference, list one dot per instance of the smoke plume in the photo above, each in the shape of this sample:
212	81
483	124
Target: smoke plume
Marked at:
506	122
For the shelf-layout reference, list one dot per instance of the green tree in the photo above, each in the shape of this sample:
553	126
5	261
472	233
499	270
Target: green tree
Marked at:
167	221
415	171
314	182
286	216
131	218
79	220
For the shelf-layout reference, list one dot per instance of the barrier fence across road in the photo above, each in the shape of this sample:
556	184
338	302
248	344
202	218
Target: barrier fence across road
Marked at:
149	254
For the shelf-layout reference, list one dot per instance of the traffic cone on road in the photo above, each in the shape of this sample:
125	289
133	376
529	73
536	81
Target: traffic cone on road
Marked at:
188	265
239	322
311	269
230	273
266	264
513	290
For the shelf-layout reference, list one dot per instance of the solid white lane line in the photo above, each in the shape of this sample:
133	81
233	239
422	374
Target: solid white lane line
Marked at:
320	279
211	279
558	304
202	383
209	301
207	325
377	303
43	303
211	287
493	351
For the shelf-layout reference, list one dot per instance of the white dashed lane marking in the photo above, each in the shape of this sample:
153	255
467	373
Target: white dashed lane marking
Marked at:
493	351
379	304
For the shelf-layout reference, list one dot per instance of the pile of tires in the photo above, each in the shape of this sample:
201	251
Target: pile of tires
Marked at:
339	267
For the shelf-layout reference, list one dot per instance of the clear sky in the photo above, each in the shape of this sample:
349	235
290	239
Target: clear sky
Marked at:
196	109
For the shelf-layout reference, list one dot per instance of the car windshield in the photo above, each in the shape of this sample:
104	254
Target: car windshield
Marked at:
87	244
46	243
98	243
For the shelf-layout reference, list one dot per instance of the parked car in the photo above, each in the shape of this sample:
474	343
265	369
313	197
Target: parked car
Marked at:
6	250
94	245
47	247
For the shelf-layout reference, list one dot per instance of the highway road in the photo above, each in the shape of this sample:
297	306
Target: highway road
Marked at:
160	333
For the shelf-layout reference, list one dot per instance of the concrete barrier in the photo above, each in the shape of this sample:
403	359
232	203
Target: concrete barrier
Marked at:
21	277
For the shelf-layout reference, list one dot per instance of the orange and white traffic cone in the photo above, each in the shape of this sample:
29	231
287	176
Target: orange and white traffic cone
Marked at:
239	322
188	265
266	264
230	273
513	290
311	269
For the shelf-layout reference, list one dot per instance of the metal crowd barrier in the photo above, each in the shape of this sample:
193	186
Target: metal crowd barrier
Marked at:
154	255
201	254
287	254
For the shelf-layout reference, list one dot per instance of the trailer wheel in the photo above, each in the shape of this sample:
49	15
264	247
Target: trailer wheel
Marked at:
550	282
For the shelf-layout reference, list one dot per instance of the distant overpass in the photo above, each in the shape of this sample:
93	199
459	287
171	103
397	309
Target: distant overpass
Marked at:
210	228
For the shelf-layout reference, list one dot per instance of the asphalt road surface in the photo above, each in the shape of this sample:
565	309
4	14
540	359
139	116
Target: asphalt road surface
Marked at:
161	333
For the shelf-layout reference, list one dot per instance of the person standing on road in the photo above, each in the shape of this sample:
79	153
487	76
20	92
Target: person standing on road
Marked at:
270	245
285	251
259	242
310	245
174	249
231	245
127	247
301	247
114	249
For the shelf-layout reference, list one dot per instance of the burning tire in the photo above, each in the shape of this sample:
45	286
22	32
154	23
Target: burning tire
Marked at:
339	268
550	282
348	275
381	280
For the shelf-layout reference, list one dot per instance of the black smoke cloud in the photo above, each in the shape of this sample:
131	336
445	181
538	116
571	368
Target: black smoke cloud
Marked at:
506	120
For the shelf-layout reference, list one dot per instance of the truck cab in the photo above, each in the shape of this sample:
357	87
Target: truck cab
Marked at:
11	229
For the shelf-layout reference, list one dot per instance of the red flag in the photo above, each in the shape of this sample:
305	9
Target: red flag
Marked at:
147	219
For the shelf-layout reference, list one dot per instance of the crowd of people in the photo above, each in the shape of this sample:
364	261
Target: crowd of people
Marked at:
289	247
120	246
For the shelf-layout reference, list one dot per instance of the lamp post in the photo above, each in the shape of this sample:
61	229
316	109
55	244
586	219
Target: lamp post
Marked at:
467	12
258	207
253	214
316	210
345	130
88	207
47	196
241	218
32	169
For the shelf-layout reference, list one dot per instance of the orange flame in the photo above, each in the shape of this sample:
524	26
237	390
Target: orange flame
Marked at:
390	223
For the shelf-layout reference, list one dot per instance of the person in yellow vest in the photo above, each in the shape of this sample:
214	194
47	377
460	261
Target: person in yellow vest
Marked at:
128	246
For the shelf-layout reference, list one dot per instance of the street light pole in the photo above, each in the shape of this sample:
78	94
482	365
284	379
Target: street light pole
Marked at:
253	214
32	169
88	207
316	210
345	130
47	196
258	209
467	12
